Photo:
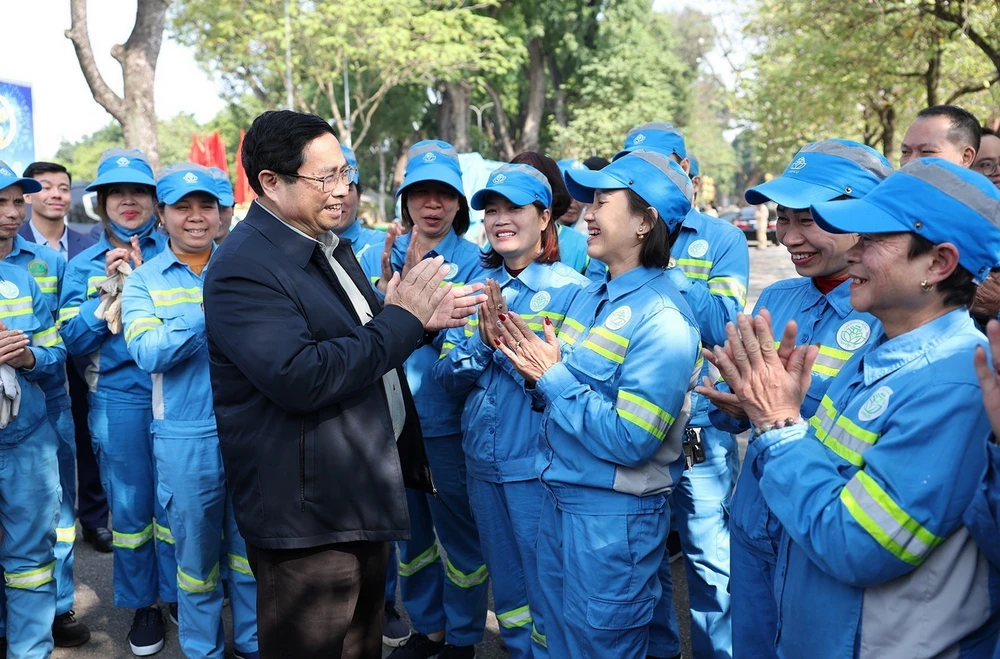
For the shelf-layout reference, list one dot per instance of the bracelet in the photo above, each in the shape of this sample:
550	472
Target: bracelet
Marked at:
768	427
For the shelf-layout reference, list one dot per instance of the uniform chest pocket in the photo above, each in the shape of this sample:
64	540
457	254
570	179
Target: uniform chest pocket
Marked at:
600	354
177	303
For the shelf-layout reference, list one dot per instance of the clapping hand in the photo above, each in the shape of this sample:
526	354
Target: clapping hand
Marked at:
529	355
989	379
490	312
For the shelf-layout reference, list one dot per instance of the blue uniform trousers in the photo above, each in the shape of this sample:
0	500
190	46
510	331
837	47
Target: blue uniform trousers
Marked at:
598	576
123	444
700	504
29	509
452	596
507	515
192	490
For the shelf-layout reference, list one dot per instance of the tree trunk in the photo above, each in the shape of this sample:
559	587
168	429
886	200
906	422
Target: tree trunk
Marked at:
932	79
532	127
888	118
400	168
506	146
559	103
135	112
453	115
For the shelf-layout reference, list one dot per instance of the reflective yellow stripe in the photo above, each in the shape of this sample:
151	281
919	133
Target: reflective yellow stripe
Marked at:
538	637
644	414
68	312
728	287
513	619
32	578
48	285
240	564
886	521
140	326
132	540
695	268
19	306
190	584
446	347
66	534
172	296
46	338
464	580
570	331
163	534
829	361
844	437
419	563
471	327
607	344
93	283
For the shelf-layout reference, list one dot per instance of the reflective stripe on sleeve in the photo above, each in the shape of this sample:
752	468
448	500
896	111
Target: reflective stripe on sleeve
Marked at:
46	338
644	414
695	268
19	306
571	331
140	326
885	521
844	437
829	361
68	312
728	287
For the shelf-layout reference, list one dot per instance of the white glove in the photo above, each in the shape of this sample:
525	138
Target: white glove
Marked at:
10	395
110	308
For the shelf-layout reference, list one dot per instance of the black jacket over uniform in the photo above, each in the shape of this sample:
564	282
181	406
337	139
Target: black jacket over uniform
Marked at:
304	423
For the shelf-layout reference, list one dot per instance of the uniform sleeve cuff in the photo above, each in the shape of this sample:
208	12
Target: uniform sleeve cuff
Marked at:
555	381
678	278
772	444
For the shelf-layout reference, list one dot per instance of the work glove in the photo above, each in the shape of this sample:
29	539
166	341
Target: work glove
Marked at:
110	308
10	395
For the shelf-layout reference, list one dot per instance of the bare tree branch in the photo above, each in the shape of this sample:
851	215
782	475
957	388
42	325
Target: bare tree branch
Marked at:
78	34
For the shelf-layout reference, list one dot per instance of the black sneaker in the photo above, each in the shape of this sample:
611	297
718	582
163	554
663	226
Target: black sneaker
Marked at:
457	652
101	539
68	632
418	646
3	647
172	611
394	630
146	636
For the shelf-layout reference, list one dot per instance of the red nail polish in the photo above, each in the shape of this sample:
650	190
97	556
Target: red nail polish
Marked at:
497	341
548	322
501	316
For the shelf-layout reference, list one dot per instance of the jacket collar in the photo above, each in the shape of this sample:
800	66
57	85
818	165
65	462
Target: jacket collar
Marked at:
533	277
839	298
171	260
694	221
889	355
445	248
21	245
630	281
352	233
295	245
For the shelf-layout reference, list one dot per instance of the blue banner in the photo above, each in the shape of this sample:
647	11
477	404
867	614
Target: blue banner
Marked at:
17	134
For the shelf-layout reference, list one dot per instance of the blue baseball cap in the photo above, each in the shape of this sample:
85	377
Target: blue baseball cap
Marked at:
654	136
182	179
695	168
824	171
568	164
650	174
432	160
520	184
123	166
352	161
9	178
933	198
224	189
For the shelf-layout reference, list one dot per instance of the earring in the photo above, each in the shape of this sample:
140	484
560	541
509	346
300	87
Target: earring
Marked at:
641	236
925	287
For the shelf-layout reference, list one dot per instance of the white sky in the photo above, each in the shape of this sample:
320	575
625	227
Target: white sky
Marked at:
35	51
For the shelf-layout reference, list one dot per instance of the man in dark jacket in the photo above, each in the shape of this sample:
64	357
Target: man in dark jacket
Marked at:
317	428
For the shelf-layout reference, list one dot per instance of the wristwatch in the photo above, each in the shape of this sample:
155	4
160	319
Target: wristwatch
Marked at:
768	427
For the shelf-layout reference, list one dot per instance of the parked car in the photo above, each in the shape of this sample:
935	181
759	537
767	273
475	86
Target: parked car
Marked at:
745	221
83	208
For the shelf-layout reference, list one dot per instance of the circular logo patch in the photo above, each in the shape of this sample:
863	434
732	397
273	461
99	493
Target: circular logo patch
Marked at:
539	301
618	318
853	334
698	249
9	290
452	272
38	268
875	405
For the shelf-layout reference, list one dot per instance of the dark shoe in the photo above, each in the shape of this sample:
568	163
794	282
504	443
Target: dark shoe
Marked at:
101	538
457	652
418	646
674	548
237	654
68	632
146	637
3	647
394	630
172	610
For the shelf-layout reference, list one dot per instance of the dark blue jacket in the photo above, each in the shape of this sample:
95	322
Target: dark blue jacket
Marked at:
76	242
303	420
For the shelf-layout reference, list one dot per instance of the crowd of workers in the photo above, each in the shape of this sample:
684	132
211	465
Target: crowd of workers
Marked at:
589	407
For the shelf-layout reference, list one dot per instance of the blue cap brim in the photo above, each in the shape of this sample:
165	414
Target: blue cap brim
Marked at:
174	196
514	195
581	184
122	175
27	185
625	152
226	199
439	173
855	216
791	193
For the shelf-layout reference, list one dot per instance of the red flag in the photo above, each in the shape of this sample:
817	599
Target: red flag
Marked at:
242	191
216	148
198	154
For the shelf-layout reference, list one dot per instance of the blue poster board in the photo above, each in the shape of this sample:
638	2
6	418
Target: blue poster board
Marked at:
17	134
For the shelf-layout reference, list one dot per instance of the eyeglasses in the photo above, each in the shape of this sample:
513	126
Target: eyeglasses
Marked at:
331	181
986	167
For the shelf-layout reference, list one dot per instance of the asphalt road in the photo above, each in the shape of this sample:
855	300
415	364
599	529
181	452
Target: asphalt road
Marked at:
109	626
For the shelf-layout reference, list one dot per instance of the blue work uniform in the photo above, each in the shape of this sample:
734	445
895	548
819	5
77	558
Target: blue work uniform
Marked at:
874	559
29	473
452	596
712	272
841	331
363	239
573	248
616	407
982	518
500	440
165	334
47	267
120	417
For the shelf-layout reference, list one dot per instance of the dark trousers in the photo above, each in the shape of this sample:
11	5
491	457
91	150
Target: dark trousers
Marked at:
92	504
323	602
